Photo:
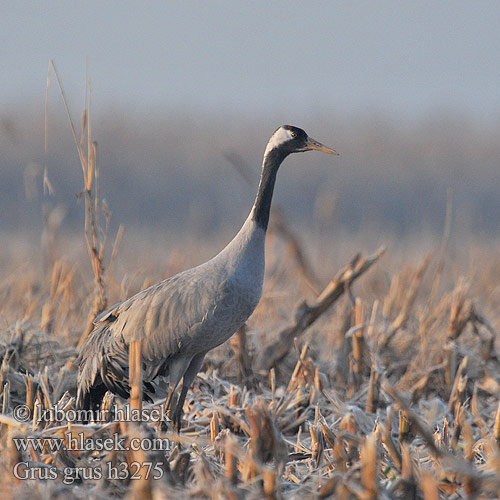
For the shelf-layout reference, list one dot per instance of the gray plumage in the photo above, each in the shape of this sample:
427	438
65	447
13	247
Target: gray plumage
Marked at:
183	317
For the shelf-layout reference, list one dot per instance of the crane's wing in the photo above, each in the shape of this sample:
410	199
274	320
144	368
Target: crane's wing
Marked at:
166	317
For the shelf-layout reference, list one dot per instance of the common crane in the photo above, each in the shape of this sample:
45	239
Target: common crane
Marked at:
183	317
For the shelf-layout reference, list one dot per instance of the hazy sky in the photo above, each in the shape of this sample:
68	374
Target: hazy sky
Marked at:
404	58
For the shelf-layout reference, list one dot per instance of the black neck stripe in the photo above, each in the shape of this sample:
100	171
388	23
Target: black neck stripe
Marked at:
262	205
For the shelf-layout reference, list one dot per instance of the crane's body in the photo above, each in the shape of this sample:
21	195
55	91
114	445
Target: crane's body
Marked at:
183	317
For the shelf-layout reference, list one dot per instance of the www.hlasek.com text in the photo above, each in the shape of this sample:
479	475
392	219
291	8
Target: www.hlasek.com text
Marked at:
78	442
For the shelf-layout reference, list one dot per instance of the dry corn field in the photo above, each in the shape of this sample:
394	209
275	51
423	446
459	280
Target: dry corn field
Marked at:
376	378
370	375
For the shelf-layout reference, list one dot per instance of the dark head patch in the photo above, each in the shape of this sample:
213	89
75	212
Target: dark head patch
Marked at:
300	133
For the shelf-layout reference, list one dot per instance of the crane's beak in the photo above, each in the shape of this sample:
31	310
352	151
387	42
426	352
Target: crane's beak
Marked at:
313	144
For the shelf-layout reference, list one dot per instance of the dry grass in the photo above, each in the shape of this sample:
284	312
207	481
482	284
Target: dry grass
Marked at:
384	384
392	392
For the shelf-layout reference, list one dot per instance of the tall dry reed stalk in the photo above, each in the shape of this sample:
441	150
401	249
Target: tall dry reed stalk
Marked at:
95	207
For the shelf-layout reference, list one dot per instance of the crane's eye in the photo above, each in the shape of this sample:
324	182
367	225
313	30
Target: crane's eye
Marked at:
293	134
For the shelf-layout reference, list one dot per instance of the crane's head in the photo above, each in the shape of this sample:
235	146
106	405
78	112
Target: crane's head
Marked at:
289	139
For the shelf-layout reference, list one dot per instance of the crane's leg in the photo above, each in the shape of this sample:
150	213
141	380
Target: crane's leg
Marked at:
189	376
177	368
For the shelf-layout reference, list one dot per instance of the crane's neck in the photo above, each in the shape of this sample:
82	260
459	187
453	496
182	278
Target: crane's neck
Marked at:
244	255
262	205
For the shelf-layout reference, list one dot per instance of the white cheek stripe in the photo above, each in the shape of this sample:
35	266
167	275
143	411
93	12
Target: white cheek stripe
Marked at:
279	137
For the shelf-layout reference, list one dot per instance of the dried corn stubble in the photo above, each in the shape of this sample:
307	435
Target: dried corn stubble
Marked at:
328	439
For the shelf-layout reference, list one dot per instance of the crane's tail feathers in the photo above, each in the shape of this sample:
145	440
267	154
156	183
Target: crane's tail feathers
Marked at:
103	365
93	376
